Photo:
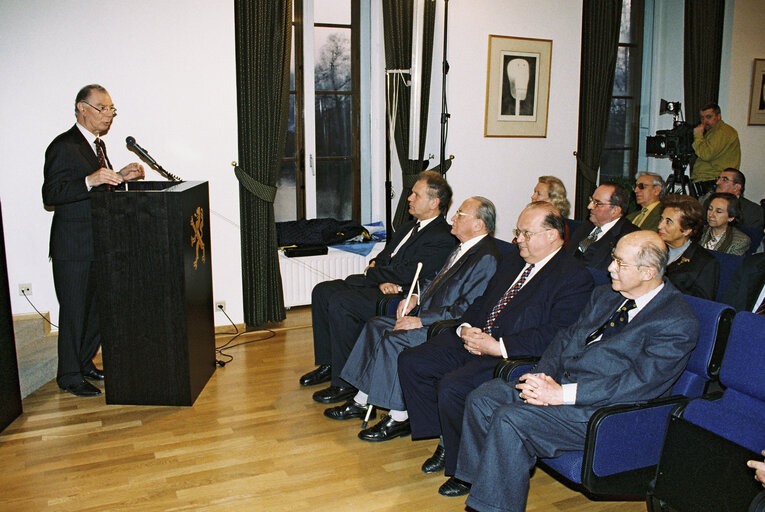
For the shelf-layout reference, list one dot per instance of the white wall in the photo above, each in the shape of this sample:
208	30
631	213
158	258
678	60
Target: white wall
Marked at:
169	67
505	170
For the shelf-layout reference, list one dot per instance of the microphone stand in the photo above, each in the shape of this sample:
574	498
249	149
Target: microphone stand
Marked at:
444	108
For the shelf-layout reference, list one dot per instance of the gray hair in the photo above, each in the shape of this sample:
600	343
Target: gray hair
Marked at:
487	213
84	94
653	255
658	181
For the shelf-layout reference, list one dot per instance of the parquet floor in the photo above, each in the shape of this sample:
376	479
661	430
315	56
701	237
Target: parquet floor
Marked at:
253	441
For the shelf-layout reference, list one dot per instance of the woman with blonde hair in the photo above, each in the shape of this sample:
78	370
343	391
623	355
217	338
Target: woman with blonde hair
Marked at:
551	190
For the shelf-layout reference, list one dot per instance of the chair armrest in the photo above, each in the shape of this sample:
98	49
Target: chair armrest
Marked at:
510	369
758	503
438	327
384	302
623	445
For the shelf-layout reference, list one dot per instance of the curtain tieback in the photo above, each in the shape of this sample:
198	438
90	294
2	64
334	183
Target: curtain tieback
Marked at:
265	192
586	168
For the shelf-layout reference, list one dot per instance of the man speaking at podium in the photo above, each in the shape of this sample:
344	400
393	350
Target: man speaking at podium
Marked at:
75	163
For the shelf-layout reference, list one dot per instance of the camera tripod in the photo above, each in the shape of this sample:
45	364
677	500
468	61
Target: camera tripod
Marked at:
679	182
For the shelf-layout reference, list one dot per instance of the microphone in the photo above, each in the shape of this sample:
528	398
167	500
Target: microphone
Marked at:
130	141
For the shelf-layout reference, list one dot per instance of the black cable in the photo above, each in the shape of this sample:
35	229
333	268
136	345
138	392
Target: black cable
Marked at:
38	311
228	346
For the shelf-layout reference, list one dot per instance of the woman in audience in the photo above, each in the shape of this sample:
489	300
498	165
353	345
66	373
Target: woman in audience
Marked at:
691	268
723	213
551	190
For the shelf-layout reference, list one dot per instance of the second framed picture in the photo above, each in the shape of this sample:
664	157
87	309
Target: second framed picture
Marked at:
517	87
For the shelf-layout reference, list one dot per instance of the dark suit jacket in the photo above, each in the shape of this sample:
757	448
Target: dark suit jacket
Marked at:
695	272
68	160
598	255
431	245
641	362
466	280
745	287
552	300
651	222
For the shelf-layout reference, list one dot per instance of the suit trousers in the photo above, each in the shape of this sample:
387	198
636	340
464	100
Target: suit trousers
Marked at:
78	329
372	365
436	378
502	439
339	310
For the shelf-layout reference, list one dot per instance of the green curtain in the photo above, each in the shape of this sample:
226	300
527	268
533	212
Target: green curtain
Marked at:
397	21
703	54
263	38
601	22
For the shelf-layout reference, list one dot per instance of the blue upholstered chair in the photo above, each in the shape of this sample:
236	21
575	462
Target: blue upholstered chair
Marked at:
728	265
709	439
624	441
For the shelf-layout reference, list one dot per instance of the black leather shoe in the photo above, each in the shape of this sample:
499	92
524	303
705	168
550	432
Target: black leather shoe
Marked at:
350	409
82	389
436	462
335	394
94	374
385	430
454	487
321	374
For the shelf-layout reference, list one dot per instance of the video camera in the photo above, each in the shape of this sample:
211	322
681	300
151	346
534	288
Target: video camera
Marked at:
676	144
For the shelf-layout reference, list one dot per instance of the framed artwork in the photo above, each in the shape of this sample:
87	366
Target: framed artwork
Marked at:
517	87
757	98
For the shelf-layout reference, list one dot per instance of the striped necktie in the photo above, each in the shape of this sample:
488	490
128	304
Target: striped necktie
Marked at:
591	239
449	262
509	294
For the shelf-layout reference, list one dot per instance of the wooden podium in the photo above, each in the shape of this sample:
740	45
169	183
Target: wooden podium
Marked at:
10	390
154	275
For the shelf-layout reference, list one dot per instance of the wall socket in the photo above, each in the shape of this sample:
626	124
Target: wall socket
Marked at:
25	289
220	305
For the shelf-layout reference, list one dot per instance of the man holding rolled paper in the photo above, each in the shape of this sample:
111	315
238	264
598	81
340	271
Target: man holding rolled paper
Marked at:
340	308
535	292
372	364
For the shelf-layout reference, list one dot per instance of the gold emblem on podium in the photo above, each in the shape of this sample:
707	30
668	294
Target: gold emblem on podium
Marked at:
197	222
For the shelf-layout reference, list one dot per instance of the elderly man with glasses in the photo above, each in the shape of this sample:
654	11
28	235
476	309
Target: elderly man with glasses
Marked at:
534	293
76	164
592	242
648	191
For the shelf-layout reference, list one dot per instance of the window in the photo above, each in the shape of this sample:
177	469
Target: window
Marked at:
320	173
620	151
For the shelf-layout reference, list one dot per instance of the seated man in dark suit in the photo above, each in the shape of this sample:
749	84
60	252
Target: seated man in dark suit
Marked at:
691	268
630	344
535	292
746	291
341	307
593	241
372	366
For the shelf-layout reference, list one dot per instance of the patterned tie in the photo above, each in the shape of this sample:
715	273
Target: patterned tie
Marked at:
761	308
509	294
415	229
587	242
638	221
449	262
101	153
614	324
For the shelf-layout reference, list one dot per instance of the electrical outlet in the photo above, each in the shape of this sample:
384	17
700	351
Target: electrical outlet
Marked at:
25	289
220	305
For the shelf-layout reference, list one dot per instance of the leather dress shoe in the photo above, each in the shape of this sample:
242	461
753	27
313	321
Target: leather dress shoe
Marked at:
94	374
454	487
335	394
321	374
385	430
436	462
350	409
81	389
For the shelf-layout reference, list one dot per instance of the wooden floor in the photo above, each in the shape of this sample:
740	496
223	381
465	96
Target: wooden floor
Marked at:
253	441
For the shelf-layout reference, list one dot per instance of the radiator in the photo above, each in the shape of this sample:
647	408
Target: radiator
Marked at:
300	275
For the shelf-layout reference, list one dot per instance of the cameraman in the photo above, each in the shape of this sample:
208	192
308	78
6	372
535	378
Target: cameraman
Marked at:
716	146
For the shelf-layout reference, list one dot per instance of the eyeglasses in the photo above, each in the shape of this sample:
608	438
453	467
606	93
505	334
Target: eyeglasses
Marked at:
461	213
527	234
103	110
620	265
597	203
643	186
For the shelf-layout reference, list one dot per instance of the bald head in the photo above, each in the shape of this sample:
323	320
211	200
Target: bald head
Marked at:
640	259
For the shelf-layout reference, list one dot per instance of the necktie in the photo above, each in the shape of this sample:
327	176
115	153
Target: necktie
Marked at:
509	294
415	229
761	308
587	242
449	262
641	217
101	153
614	324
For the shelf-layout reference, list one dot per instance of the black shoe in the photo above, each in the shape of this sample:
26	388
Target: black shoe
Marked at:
335	394
350	409
385	430
82	389
321	374
454	487
436	462
94	374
